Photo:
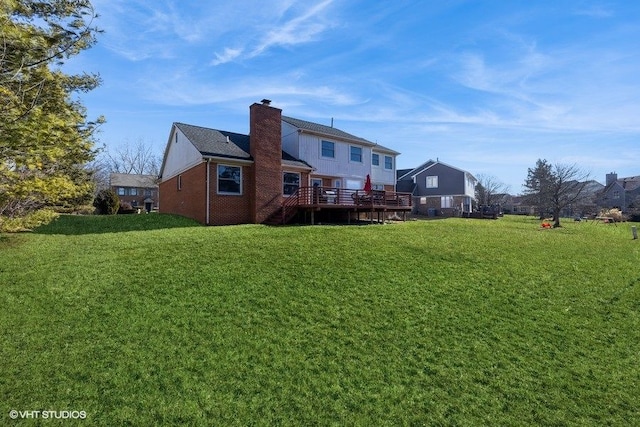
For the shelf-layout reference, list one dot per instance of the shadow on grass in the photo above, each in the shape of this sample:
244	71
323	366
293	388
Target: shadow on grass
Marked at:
100	224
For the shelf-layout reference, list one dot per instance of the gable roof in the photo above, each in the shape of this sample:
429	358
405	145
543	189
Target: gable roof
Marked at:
630	183
428	164
221	143
133	180
212	142
410	173
331	132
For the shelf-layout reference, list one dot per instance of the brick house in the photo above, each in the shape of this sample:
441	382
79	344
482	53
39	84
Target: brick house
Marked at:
219	177
140	191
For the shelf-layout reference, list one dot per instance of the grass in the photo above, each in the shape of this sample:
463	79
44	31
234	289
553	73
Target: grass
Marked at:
453	322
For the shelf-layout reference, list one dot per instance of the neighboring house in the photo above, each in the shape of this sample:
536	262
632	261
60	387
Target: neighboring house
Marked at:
141	191
519	205
438	189
586	204
623	193
219	177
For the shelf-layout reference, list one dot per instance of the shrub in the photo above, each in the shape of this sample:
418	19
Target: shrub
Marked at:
106	202
125	208
28	222
616	214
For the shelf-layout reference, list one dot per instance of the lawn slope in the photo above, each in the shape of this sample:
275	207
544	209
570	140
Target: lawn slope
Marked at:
145	320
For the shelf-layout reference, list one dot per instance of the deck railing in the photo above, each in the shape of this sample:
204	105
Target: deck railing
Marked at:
320	196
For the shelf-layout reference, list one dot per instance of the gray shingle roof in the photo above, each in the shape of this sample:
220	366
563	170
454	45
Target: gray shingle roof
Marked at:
133	180
213	142
325	130
330	131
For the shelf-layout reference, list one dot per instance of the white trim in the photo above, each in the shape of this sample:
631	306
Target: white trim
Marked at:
361	154
224	193
208	215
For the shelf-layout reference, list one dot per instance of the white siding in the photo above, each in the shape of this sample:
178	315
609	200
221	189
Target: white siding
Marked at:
380	175
339	166
469	185
181	155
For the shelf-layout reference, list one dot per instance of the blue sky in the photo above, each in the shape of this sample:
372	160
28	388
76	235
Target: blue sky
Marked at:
486	86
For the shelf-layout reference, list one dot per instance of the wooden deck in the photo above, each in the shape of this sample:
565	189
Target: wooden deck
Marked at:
311	200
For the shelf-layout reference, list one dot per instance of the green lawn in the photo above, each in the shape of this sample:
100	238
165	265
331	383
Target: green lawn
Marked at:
153	320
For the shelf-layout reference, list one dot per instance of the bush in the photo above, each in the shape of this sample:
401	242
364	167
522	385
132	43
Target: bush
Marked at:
126	208
27	223
106	202
616	214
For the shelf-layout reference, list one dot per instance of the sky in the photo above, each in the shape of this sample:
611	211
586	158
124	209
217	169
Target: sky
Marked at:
488	86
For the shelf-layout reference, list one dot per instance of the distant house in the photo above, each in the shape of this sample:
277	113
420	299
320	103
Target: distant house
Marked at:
621	193
285	166
519	205
141	191
438	188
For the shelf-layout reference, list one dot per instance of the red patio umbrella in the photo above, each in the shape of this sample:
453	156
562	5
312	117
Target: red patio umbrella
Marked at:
367	184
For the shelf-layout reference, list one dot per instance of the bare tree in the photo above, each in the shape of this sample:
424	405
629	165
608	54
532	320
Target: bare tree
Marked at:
136	159
490	191
556	187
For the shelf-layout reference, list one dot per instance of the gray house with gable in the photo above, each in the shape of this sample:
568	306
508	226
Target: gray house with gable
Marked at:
621	193
438	189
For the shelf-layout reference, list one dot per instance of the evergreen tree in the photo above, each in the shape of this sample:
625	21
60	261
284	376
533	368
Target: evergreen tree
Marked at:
45	137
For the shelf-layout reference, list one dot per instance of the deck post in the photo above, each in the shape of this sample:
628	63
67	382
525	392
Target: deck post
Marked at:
312	216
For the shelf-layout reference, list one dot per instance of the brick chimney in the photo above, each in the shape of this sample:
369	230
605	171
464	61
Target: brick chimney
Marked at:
611	177
265	139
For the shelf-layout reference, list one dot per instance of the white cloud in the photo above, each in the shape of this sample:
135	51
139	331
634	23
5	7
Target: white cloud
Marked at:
228	55
298	30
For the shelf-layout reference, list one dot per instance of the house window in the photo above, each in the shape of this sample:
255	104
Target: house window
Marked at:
616	194
388	162
432	181
229	179
377	187
316	182
328	149
121	191
446	202
147	193
375	159
133	191
356	154
291	183
179	181
423	200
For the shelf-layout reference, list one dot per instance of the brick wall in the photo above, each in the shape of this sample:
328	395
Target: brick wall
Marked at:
230	209
265	187
190	200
